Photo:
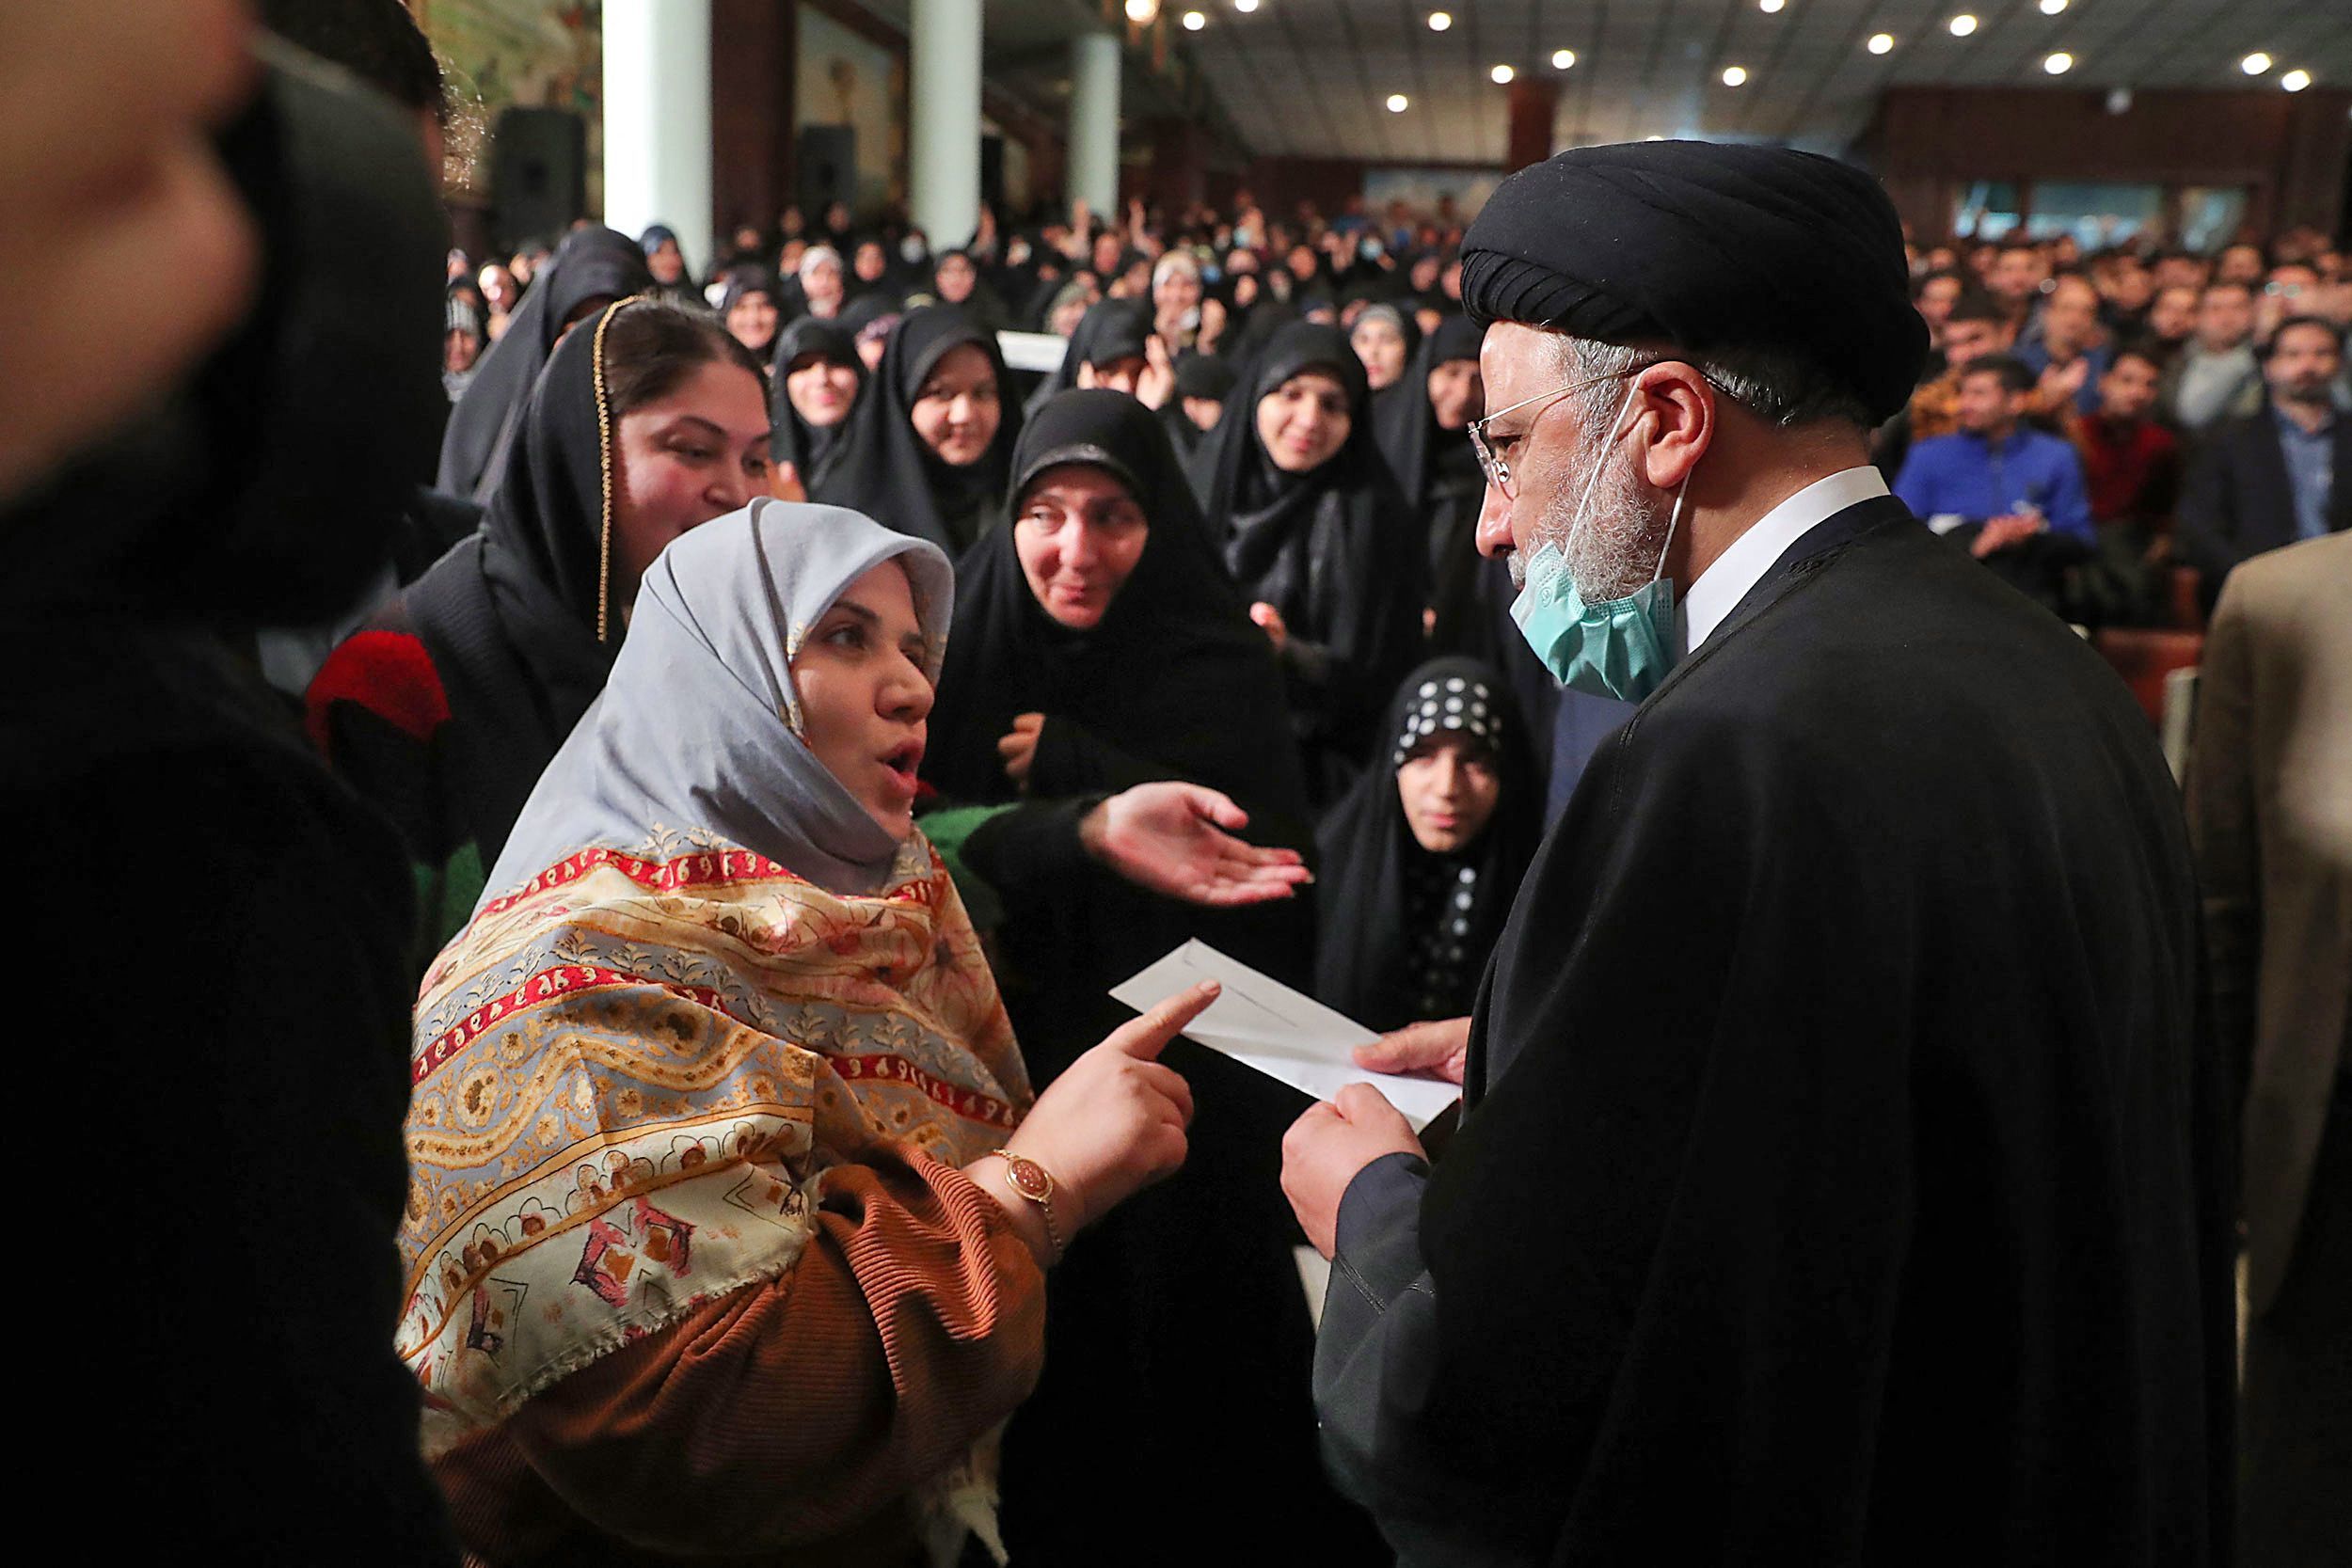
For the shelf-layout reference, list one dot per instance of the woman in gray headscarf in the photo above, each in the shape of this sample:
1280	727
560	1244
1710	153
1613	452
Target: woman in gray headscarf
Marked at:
718	1081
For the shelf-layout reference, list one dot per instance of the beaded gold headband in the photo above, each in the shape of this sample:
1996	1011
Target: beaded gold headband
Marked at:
604	473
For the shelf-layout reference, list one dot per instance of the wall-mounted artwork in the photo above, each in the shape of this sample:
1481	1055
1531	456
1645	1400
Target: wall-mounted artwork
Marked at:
523	53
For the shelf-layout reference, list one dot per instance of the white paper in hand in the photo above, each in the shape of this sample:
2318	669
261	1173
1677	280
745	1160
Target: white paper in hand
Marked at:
1263	1022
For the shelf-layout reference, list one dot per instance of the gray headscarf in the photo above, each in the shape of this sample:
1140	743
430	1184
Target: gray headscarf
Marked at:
697	733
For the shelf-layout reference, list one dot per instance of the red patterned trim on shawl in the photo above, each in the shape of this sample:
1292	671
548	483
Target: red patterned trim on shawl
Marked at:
702	868
970	1104
566	978
546	985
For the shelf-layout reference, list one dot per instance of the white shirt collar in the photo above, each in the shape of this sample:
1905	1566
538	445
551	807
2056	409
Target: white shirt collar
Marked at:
1729	577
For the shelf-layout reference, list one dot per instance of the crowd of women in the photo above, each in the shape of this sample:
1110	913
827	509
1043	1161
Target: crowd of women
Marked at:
768	913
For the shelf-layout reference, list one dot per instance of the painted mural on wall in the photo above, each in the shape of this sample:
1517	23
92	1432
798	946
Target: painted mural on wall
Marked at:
849	80
530	53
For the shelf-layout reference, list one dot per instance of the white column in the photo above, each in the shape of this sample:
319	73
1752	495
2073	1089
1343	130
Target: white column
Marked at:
657	122
943	111
1093	161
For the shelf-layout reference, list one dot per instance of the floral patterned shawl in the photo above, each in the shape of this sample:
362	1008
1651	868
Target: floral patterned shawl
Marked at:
633	1070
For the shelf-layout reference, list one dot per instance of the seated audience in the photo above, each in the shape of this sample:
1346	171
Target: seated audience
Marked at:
928	448
594	267
2216	375
2071	355
2011	494
1204	382
2132	476
749	306
2278	475
1384	337
814	380
1423	856
1314	531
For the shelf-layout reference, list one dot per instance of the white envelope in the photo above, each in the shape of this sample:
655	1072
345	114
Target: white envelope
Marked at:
1283	1034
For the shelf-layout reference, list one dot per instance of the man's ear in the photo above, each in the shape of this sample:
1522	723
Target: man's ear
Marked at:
1682	403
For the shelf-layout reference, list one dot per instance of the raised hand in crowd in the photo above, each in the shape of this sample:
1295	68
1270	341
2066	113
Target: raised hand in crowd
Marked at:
1178	839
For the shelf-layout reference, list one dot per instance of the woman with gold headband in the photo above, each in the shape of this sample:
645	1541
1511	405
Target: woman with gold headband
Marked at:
729	1206
648	420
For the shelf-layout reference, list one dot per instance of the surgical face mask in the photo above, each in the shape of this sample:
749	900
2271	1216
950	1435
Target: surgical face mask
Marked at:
1621	647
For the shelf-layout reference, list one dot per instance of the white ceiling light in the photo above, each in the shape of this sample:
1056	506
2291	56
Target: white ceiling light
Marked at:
2051	8
2058	64
1397	102
1963	25
1142	10
1563	59
1770	8
2295	80
1440	21
1881	43
1501	73
1245	7
1193	22
1734	75
2254	64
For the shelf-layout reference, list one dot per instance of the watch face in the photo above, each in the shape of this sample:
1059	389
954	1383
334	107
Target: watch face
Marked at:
1030	1178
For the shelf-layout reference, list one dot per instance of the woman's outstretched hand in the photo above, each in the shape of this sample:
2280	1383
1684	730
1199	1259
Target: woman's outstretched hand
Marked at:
1177	839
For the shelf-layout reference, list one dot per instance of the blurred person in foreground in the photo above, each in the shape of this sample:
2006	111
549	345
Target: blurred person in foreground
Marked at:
242	916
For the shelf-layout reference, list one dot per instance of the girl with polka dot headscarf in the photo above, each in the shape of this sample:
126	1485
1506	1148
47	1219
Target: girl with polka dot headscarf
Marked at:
1423	856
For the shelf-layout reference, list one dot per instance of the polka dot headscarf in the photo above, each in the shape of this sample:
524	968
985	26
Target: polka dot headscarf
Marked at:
1455	703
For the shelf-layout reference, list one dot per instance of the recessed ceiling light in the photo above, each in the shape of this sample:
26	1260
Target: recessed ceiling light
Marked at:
2058	64
1881	43
1396	102
2051	8
1501	73
1440	21
2254	64
1245	7
2295	80
1142	10
1193	22
1734	75
1769	7
1964	24
1563	59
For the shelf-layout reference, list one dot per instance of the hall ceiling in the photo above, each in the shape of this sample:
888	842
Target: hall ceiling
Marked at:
1311	77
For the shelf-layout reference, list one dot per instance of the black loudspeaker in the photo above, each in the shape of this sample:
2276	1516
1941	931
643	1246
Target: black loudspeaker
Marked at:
993	170
828	171
538	174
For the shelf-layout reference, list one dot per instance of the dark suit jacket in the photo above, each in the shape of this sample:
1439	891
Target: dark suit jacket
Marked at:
2238	503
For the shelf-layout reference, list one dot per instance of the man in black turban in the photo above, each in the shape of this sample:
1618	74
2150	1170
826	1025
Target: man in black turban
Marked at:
1840	1179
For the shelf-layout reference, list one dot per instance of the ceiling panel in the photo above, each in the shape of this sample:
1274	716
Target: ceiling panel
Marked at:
1309	77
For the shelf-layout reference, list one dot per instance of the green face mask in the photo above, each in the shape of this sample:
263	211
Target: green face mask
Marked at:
1619	647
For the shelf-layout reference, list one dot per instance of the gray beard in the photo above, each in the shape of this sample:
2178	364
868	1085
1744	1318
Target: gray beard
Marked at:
1616	549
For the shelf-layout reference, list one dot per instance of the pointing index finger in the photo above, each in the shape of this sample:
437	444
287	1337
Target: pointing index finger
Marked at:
1148	1035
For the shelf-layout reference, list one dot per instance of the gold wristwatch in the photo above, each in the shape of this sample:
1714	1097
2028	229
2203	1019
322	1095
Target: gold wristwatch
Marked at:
1036	1183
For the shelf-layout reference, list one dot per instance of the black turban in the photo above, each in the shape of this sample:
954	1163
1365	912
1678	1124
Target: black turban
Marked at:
1708	248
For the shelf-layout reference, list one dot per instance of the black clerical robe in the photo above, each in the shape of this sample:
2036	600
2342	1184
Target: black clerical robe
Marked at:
1841	1180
